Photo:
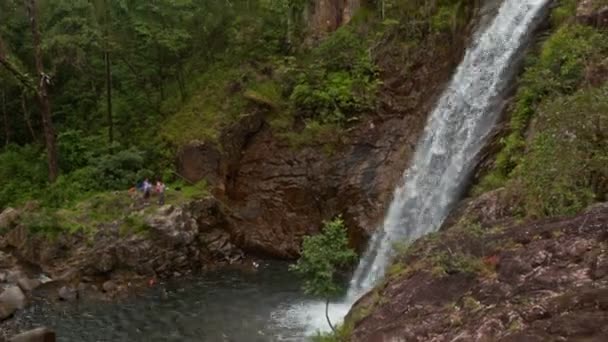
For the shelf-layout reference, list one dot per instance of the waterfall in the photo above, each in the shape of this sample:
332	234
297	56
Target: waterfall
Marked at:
446	154
453	137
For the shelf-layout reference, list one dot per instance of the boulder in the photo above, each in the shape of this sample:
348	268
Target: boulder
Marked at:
6	260
35	335
6	311
174	225
109	286
18	237
11	300
14	275
27	284
68	294
8	218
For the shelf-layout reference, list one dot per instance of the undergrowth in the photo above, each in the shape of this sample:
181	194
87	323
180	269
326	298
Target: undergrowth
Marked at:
552	159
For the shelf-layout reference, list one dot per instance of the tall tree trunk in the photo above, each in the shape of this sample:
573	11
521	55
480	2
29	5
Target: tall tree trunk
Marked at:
42	94
181	82
109	96
161	74
7	127
26	117
108	73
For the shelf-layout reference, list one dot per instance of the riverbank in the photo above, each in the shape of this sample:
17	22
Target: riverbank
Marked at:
107	260
223	305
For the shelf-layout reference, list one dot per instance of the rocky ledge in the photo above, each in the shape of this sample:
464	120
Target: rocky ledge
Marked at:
107	261
488	278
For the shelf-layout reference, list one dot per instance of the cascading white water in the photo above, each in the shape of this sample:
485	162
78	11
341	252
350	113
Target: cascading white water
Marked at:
454	135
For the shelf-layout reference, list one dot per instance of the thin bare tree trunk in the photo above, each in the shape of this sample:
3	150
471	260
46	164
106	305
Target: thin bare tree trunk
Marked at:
327	315
26	117
109	96
42	94
108	63
7	127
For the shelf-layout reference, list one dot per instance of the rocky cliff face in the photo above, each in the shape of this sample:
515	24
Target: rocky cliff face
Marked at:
177	239
499	281
327	15
278	193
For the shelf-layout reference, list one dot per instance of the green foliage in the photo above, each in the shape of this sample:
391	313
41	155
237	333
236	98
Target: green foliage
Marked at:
564	12
471	304
22	174
342	333
120	170
42	222
444	263
267	93
321	258
558	70
216	103
448	16
133	224
339	83
566	168
192	191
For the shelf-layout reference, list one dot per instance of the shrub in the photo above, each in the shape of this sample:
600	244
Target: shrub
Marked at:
566	168
339	83
322	257
42	222
120	170
23	174
557	71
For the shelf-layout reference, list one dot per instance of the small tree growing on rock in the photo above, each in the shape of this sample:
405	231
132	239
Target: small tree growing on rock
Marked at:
323	255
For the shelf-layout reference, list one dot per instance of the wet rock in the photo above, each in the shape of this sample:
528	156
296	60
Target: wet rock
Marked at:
44	279
6	260
68	294
27	284
17	237
14	275
8	218
106	262
486	209
35	335
11	300
109	286
599	268
554	287
174	225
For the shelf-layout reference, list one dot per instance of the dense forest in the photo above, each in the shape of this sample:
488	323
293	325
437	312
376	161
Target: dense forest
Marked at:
96	83
105	92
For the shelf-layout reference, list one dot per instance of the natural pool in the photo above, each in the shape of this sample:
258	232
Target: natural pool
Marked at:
218	306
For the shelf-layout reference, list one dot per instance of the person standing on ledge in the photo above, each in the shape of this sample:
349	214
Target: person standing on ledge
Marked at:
160	189
146	187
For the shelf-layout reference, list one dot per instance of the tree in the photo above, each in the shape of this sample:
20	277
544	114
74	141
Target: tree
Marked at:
323	255
42	94
39	86
103	16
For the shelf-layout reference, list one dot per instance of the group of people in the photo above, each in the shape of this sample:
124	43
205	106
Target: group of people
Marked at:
146	187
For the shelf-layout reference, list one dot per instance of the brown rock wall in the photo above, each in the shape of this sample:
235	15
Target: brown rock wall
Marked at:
542	281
